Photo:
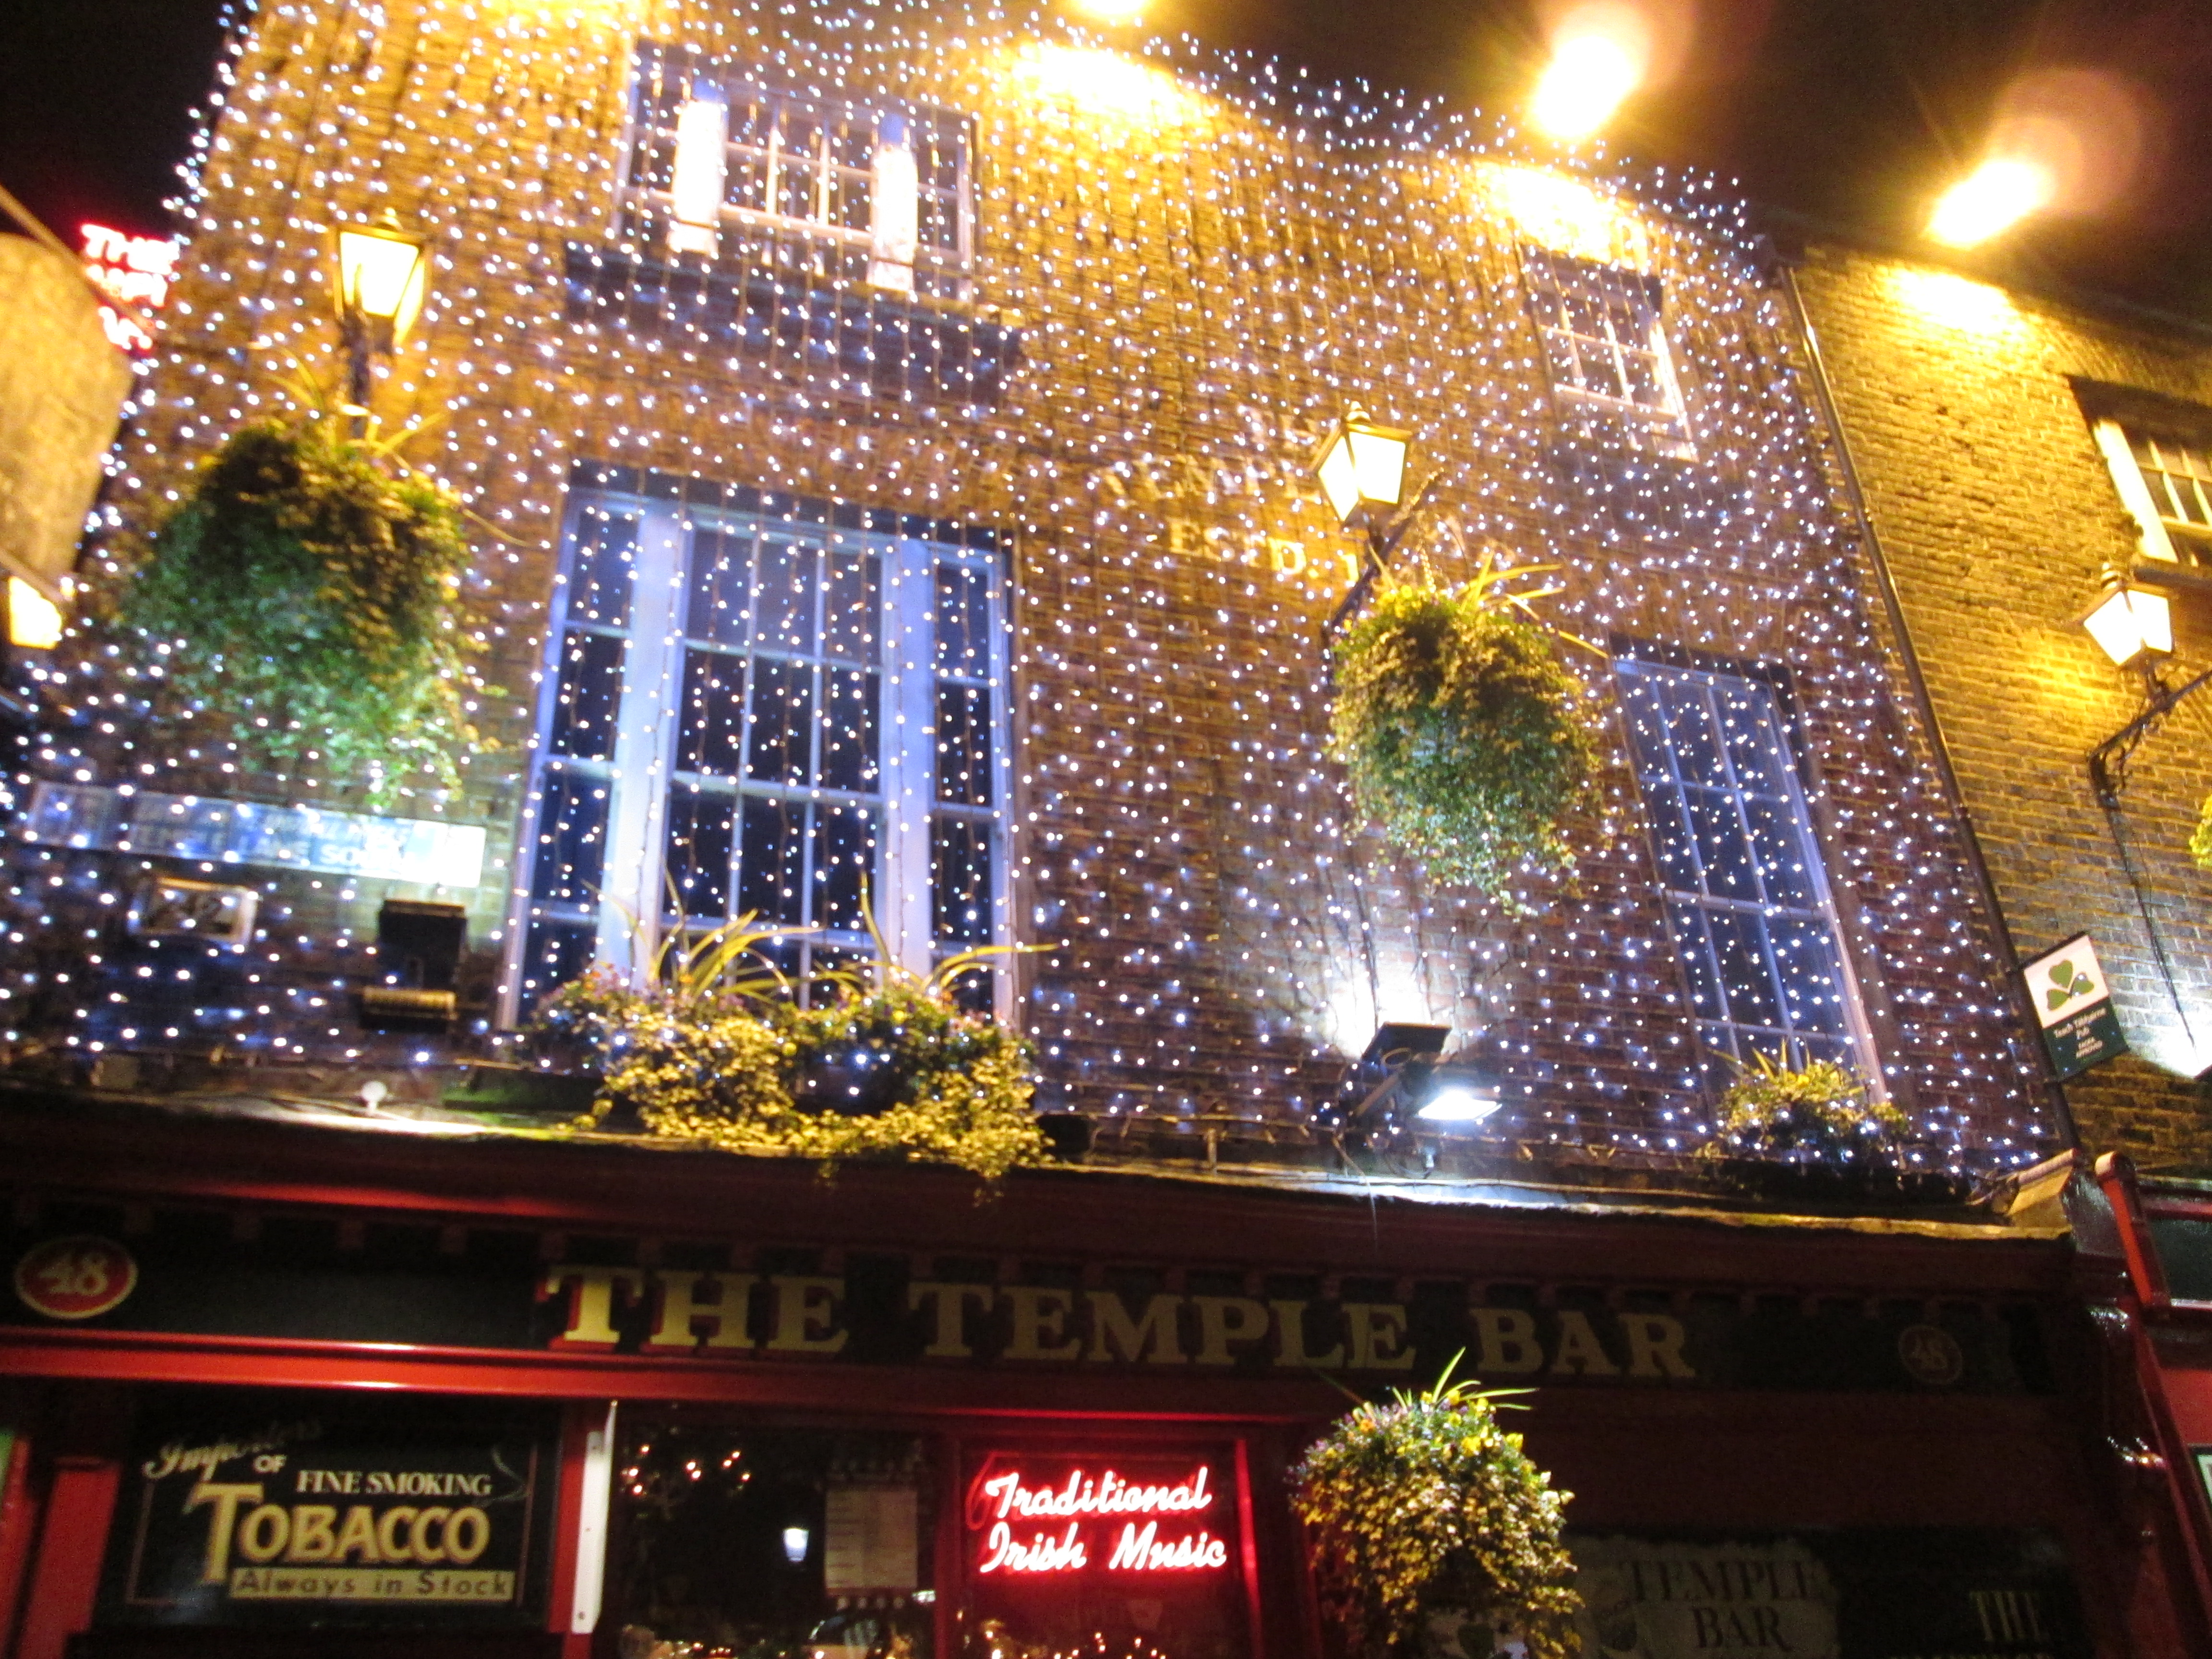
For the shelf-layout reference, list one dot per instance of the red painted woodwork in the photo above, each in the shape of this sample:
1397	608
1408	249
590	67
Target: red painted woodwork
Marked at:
65	1579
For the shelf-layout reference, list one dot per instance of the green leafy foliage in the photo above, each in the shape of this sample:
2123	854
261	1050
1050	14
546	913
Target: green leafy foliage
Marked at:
1821	1111
305	597
1424	1504
1458	725
2200	842
884	1062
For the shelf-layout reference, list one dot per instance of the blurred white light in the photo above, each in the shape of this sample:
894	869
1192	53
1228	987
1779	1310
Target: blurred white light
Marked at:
1457	1102
795	1540
1591	71
1992	199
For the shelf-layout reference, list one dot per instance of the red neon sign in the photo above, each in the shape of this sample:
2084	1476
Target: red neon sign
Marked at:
137	270
1000	1501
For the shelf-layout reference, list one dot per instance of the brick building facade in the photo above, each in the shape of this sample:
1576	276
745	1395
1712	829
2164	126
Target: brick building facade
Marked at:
888	436
1142	292
1973	413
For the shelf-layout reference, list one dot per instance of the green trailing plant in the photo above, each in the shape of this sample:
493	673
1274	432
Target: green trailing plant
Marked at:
1424	1505
2200	842
1819	1112
1458	723
882	1060
304	594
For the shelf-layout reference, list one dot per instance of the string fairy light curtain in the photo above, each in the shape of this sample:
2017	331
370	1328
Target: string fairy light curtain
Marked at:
1143	283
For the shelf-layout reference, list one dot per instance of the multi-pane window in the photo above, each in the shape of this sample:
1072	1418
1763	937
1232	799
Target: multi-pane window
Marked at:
801	719
2179	476
1604	345
723	165
1753	923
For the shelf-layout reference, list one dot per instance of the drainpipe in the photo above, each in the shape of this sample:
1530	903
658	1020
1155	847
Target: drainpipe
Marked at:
1888	588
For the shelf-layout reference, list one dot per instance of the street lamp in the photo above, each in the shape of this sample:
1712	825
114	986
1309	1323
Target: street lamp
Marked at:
382	269
2134	625
1362	470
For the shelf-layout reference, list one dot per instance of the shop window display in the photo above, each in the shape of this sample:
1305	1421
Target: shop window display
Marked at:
770	1543
1107	1555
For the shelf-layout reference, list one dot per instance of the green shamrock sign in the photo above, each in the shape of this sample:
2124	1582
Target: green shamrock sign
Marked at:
2067	982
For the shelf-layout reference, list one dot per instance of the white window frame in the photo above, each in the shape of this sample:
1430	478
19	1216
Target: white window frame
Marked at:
2156	533
1858	1036
632	912
659	67
1666	421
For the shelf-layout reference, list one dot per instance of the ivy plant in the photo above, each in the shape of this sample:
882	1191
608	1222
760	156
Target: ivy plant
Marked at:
883	1061
2200	841
1423	1505
1458	725
304	596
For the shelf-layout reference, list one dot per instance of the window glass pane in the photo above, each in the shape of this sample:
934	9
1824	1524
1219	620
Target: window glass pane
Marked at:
710	722
771	876
1747	978
960	881
1780	851
702	840
570	856
783	721
963	745
589	692
1805	961
786	601
553	953
963	620
844	859
781	1543
1690	729
1723	852
853	608
1698	961
801	164
721	577
1671	841
602	567
850	754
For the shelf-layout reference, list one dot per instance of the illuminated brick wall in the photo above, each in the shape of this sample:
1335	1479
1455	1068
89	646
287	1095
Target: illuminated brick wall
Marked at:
1197	291
1964	410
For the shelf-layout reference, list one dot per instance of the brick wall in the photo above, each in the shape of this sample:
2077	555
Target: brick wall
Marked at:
1996	512
1198	292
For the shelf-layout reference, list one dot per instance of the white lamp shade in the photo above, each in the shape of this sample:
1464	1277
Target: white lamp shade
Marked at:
2131	623
382	272
1362	469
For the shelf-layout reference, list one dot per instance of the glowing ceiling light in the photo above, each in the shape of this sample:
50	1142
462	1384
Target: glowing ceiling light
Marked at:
1591	71
1994	198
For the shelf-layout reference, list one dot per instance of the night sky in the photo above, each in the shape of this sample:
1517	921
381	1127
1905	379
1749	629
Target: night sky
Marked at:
1852	112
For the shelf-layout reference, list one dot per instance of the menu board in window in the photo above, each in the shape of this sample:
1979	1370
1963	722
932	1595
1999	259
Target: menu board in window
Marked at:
1113	1553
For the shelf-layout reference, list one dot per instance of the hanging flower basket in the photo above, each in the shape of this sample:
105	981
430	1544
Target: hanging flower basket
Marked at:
303	597
1423	1507
1458	723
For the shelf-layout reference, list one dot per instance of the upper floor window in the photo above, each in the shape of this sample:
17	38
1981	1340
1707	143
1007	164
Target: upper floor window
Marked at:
1754	924
723	165
745	712
1604	346
2166	485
